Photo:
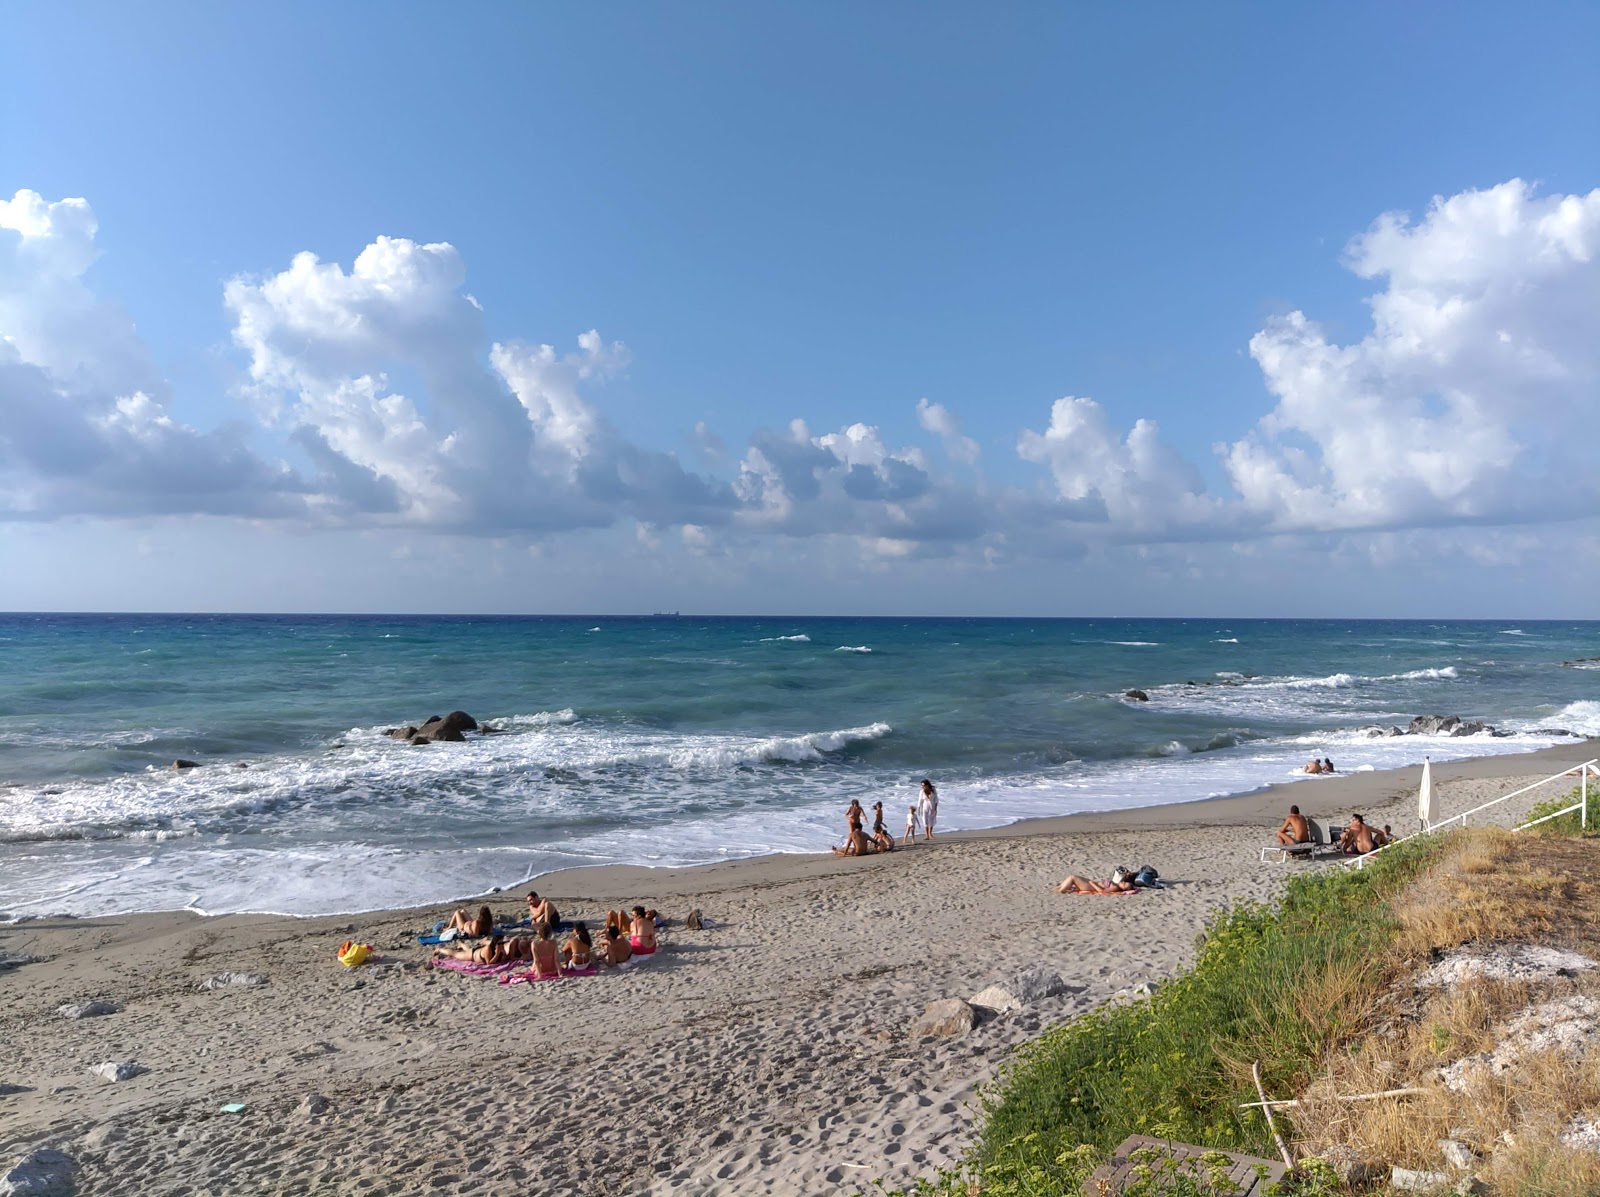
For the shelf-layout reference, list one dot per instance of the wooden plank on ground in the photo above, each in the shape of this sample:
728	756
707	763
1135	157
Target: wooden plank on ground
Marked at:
1250	1173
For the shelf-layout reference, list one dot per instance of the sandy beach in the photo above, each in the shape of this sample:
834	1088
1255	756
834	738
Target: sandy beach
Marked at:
768	1053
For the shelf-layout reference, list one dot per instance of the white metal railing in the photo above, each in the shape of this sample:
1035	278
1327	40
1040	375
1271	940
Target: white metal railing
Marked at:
1584	770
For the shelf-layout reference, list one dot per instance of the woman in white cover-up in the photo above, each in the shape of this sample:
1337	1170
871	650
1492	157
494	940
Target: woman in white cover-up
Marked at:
928	808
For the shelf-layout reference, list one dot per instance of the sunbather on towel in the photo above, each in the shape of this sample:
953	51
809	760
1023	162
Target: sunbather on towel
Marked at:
642	932
480	924
1121	882
544	953
494	951
1295	829
542	910
578	950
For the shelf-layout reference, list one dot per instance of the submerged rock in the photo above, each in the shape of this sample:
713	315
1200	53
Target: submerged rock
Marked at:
1136	695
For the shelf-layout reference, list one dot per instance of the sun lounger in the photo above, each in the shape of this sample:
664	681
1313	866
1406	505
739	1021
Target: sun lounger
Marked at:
1307	851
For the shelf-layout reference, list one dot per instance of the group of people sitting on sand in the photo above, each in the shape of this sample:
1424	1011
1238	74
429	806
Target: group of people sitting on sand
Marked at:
922	813
1357	839
627	933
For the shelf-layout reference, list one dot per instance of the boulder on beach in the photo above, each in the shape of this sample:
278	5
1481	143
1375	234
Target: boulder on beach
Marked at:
42	1173
948	1018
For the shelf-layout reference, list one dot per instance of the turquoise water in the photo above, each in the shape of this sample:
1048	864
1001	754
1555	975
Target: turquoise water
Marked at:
672	740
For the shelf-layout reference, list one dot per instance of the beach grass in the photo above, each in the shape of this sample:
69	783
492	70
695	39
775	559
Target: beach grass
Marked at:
1280	983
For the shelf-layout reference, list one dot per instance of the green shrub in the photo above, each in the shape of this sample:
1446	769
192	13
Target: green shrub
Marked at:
1568	824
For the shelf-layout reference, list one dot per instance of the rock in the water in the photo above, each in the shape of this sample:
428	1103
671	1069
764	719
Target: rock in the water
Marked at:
42	1173
1136	695
1446	725
948	1018
1035	983
315	1104
401	733
997	998
94	1009
183	764
1415	1181
694	920
114	1071
233	981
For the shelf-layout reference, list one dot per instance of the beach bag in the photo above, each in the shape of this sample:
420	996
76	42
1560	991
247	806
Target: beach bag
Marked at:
352	953
1147	877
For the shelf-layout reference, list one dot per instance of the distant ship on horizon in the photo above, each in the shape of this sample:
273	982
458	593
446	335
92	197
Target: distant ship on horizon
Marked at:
663	615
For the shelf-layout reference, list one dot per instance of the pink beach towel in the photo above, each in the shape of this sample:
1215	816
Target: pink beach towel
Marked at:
472	969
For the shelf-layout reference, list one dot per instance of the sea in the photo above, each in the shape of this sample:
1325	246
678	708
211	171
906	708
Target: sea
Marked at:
675	740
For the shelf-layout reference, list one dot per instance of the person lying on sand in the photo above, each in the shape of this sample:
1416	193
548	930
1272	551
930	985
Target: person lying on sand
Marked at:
480	924
545	955
1295	829
613	947
542	912
1357	838
1121	882
494	951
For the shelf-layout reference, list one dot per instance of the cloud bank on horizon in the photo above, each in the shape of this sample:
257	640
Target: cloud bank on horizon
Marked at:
1470	397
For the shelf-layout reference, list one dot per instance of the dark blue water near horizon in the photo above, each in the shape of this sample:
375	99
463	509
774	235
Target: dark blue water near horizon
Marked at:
673	739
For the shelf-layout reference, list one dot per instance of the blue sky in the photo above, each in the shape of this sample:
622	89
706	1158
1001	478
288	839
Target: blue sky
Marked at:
820	213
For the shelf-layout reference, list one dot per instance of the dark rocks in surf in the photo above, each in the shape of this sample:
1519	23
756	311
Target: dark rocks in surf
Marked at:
448	728
1136	695
183	764
1438	725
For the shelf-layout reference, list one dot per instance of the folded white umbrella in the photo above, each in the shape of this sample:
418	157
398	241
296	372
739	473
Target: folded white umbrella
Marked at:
1427	804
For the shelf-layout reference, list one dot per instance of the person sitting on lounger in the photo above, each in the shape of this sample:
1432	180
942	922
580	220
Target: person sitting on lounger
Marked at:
467	924
1357	838
1295	829
545	955
542	911
614	947
1121	882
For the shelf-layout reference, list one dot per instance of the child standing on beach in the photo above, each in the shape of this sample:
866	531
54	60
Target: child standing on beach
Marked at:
911	823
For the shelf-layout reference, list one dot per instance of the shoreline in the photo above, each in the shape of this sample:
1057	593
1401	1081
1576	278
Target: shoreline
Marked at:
580	881
772	1048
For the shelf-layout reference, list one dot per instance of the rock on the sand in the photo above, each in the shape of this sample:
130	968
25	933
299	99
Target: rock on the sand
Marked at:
1415	1181
94	1009
115	1071
997	998
1036	983
102	1137
948	1018
313	1105
43	1173
1030	985
233	981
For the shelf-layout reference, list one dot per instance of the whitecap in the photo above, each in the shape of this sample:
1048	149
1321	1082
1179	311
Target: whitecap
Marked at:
1136	643
802	638
1229	640
852	648
1512	632
594	629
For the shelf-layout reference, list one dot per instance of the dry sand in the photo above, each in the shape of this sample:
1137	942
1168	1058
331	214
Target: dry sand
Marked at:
766	1054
